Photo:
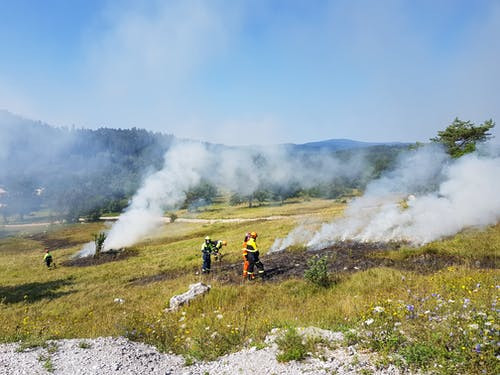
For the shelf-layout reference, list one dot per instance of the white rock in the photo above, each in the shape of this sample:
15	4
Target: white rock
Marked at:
194	291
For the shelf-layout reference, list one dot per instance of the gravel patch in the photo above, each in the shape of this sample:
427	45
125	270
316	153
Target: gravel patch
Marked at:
108	355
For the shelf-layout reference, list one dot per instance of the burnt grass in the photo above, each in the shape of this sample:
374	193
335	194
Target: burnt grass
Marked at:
53	243
104	257
342	258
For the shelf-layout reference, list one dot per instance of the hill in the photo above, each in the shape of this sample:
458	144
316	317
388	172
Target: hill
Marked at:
71	173
340	144
432	308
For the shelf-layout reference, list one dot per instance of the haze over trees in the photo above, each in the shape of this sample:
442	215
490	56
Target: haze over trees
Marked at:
73	173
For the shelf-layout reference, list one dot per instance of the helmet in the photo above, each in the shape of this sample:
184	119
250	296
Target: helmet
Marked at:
253	234
224	243
207	238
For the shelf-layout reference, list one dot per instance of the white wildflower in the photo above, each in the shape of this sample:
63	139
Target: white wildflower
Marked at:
378	309
369	321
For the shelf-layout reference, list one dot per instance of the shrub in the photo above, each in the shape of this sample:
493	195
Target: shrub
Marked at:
173	216
99	241
291	347
317	273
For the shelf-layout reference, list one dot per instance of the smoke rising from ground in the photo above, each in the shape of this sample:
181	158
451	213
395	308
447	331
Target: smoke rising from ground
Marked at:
237	170
446	195
428	197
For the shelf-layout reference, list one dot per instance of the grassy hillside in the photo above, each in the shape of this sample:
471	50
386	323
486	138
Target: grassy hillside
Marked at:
434	307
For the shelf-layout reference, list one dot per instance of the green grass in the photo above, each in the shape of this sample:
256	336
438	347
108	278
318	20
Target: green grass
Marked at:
71	302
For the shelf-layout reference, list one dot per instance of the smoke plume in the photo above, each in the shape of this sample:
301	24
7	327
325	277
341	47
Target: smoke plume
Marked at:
240	170
426	198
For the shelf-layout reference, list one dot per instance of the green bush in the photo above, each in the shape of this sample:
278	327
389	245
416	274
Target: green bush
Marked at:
291	347
317	273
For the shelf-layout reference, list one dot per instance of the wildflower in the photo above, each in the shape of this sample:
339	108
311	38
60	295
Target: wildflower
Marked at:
378	309
477	348
182	318
410	308
183	325
183	313
219	316
207	328
397	324
369	321
473	326
214	335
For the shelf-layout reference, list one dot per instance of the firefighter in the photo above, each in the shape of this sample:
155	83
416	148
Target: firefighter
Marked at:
217	247
206	251
47	258
245	256
253	257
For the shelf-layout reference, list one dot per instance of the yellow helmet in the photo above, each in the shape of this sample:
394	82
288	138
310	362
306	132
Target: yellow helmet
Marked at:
224	243
253	234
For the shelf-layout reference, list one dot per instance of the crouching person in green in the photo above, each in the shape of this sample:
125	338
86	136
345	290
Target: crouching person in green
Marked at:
47	258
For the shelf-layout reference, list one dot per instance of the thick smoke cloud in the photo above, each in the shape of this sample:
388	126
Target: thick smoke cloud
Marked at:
428	197
240	170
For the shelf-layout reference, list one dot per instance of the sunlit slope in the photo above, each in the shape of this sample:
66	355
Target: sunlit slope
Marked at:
80	301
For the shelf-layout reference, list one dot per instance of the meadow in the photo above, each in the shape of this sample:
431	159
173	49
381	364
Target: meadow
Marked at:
444	319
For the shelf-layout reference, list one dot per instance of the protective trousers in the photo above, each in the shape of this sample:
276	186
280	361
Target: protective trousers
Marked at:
206	262
245	266
253	260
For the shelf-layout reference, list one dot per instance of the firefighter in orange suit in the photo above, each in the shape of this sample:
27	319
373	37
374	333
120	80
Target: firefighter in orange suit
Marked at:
245	255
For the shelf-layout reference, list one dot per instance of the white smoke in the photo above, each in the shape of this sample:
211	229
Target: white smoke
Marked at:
87	250
299	235
466	196
450	194
162	190
234	169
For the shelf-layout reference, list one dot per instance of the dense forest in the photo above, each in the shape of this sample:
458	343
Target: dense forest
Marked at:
73	173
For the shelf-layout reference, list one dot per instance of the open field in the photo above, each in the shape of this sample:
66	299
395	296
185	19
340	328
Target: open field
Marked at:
430	306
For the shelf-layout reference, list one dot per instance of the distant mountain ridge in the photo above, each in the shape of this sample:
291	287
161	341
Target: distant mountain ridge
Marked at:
340	144
9	121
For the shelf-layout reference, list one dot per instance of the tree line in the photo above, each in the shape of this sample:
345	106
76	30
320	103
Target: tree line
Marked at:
74	173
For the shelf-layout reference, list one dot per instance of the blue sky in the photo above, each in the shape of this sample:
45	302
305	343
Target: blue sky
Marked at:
246	72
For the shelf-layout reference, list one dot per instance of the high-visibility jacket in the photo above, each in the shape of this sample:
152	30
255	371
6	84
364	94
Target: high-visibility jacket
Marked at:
207	247
218	245
47	256
252	245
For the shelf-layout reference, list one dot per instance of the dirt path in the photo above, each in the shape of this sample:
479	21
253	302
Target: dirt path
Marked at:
27	225
212	221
